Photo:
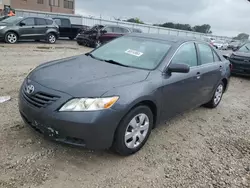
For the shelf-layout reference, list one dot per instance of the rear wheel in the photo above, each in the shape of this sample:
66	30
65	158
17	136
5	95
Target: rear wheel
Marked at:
51	38
11	38
215	101
133	131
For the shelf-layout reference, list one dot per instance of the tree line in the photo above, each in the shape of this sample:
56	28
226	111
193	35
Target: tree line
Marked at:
205	28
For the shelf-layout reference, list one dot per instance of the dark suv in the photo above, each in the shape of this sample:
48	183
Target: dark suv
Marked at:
14	28
100	34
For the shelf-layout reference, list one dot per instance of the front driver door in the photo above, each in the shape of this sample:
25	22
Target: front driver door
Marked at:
27	29
181	90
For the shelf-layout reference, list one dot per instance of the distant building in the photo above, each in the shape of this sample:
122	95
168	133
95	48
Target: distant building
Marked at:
57	6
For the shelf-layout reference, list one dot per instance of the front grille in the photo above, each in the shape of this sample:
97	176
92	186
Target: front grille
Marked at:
240	58
39	99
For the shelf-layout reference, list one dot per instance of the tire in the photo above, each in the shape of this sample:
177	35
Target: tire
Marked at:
217	96
130	145
71	38
37	40
51	38
11	38
80	43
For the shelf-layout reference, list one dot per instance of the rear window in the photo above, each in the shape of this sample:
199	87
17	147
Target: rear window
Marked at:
49	22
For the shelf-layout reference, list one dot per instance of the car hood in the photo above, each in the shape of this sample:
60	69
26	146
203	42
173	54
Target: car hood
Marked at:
83	76
242	54
2	23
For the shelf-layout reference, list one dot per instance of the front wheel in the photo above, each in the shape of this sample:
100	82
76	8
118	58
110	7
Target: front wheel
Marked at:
51	38
133	131
11	38
215	101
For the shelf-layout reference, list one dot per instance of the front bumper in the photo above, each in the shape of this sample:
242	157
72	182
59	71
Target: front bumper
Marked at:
93	130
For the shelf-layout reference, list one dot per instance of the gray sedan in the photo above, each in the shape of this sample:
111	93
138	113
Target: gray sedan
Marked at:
115	95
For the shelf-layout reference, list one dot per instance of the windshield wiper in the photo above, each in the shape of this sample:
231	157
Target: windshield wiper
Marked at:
247	48
94	57
115	62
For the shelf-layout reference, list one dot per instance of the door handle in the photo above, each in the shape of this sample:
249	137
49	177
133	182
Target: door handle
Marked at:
198	75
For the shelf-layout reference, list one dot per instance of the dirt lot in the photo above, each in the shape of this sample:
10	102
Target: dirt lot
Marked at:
202	148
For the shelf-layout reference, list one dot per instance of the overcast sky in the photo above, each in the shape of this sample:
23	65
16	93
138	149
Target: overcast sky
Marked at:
226	17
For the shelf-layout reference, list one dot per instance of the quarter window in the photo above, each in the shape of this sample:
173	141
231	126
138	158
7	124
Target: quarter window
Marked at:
206	54
187	55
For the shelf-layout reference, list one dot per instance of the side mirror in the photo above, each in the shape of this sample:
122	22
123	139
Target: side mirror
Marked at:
178	67
22	24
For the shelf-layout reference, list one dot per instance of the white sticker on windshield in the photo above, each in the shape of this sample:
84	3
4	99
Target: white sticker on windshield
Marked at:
133	52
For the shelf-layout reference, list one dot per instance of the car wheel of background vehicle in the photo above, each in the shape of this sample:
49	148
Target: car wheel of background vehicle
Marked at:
80	43
133	131
97	43
215	101
11	38
71	38
37	40
51	38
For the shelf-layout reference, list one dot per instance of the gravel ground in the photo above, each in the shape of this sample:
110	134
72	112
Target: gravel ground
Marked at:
201	148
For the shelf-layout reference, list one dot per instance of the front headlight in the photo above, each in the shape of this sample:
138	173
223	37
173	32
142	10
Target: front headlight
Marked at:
2	27
89	104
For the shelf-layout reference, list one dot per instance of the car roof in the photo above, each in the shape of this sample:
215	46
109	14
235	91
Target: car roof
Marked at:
165	37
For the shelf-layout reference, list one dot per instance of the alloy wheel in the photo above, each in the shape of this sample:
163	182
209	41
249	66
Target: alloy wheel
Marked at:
136	131
218	94
12	38
52	38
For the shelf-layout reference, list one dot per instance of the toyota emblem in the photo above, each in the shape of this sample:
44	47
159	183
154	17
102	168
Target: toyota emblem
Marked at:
30	89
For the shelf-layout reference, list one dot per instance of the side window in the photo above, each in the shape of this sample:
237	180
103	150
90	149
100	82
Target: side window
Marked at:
49	22
216	57
58	22
187	55
29	22
40	21
124	30
206	54
65	22
118	30
109	29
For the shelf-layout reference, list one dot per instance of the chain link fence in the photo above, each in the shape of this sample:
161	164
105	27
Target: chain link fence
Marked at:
76	19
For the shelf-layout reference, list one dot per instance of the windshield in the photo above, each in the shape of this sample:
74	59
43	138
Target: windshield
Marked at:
245	48
134	52
12	19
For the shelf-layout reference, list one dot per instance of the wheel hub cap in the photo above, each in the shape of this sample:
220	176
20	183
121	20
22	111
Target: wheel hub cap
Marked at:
12	38
136	131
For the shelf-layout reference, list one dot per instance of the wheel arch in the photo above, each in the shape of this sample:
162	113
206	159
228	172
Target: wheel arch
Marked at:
12	31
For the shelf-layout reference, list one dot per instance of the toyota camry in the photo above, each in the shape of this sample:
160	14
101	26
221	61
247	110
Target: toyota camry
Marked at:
113	96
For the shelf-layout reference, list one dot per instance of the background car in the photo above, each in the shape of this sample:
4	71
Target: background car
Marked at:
67	29
113	96
234	45
100	34
240	60
15	28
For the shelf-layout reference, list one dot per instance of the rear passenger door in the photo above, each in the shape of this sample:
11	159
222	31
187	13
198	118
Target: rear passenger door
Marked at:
210	69
41	27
